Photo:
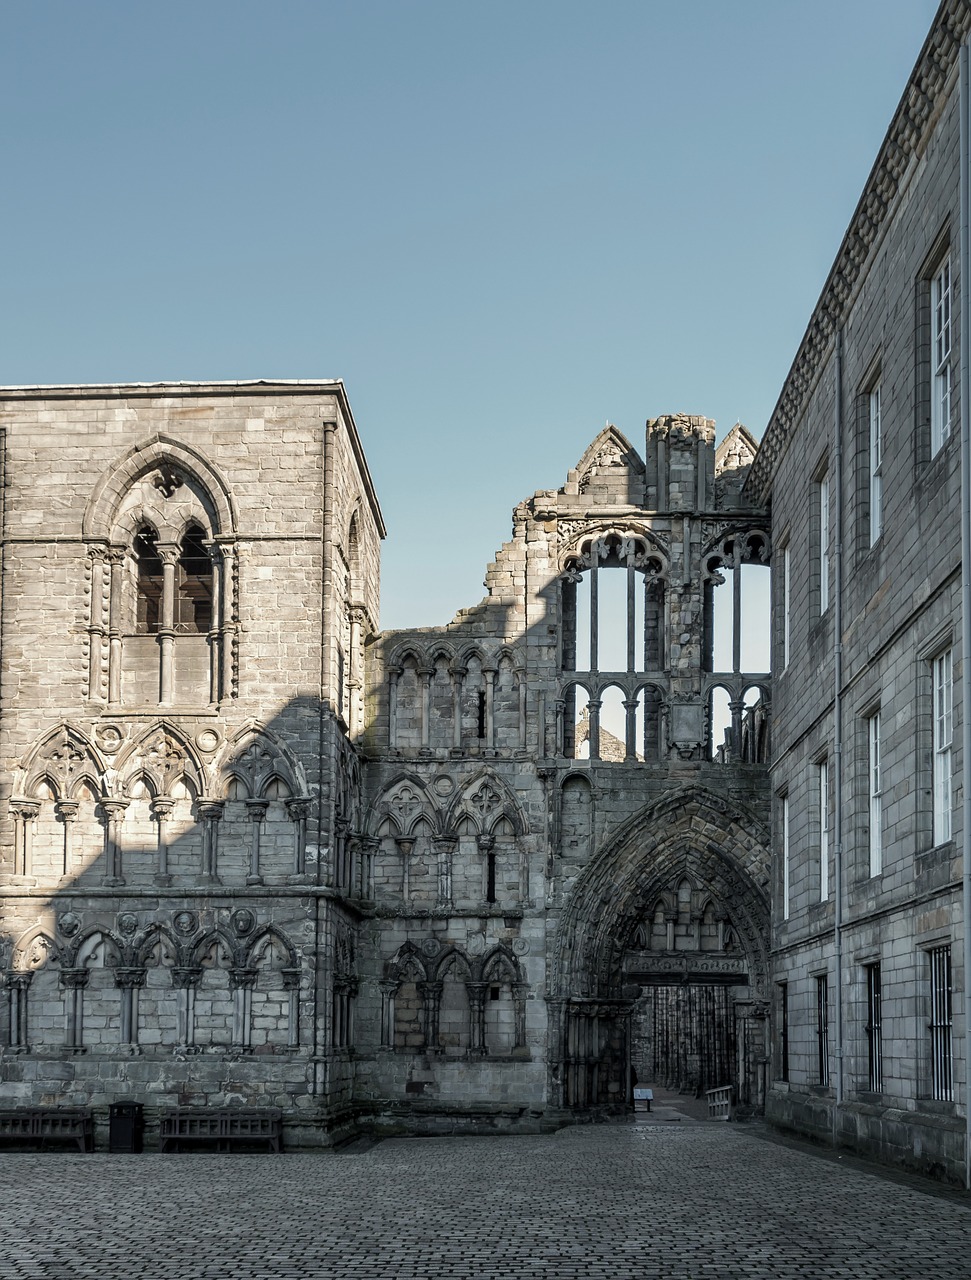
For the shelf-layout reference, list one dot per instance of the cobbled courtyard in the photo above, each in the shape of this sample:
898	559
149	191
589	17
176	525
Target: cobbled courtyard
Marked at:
623	1202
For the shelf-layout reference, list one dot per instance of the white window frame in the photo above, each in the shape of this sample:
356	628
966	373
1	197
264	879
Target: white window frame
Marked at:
940	356
823	495
823	780
875	793
785	857
942	764
876	466
786	602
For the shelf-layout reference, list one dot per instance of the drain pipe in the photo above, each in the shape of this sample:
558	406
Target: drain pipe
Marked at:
965	375
838	730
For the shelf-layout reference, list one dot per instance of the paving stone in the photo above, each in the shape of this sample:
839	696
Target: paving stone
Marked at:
655	1200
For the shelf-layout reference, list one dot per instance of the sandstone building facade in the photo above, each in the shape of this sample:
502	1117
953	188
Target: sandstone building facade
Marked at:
861	465
255	850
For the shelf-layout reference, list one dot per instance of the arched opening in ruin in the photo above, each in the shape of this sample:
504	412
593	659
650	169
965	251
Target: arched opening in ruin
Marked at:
663	960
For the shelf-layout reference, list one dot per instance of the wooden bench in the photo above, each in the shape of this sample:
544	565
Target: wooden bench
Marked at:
220	1128
43	1127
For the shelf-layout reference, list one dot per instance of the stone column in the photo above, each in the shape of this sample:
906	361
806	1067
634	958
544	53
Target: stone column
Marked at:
388	991
444	847
405	847
477	995
593	711
18	985
489	676
670	920
630	730
736	706
255	812
520	990
67	811
114	811
185	979
129	981
594	609
24	814
168	553
291	985
116	563
487	847
425	694
393	674
74	981
215	625
368	848
458	674
299	811
96	630
431	998
541	718
342	871
210	811
162	808
228	621
241	983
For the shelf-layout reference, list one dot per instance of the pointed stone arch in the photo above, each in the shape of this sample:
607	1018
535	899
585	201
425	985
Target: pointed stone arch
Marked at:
693	833
164	756
254	756
66	758
402	806
484	801
174	461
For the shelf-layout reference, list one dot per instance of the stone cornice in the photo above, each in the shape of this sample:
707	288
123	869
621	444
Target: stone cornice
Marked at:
905	139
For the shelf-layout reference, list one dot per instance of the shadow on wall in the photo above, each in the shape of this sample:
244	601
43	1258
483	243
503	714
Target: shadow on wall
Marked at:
154	905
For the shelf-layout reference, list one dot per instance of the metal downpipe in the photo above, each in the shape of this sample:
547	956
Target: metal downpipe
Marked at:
965	383
838	731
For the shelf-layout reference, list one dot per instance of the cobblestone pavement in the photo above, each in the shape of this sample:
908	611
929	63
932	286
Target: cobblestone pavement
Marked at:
664	1198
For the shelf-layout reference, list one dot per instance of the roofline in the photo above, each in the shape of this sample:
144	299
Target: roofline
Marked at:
149	390
916	112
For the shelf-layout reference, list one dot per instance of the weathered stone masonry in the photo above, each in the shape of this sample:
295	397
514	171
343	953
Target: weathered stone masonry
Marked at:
255	852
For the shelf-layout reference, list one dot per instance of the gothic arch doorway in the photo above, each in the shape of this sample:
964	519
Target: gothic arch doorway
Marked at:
661	961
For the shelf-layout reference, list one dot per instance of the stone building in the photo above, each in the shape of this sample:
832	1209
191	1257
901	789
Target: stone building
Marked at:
861	466
189	576
254	850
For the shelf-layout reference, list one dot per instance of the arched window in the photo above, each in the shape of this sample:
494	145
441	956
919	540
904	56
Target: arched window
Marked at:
148	569
193	589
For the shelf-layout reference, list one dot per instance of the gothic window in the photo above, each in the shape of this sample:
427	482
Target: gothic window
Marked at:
162	628
148	569
193	594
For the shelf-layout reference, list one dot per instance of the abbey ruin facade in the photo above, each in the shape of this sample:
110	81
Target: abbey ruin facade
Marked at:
256	851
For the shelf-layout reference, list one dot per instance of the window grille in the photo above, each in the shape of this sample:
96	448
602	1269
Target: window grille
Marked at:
942	748
822	1029
940	1023
874	1028
784	1030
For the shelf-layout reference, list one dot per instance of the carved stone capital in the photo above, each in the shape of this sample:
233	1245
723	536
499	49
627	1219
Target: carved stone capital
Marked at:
186	975
75	979
242	977
131	978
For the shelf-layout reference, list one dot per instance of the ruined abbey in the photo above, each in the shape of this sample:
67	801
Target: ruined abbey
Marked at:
255	851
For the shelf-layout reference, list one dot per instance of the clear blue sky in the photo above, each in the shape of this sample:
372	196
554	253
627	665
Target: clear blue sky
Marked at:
503	224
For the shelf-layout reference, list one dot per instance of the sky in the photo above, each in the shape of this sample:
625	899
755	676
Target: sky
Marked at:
502	224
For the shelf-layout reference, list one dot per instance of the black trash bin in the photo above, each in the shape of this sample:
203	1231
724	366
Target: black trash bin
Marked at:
126	1123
